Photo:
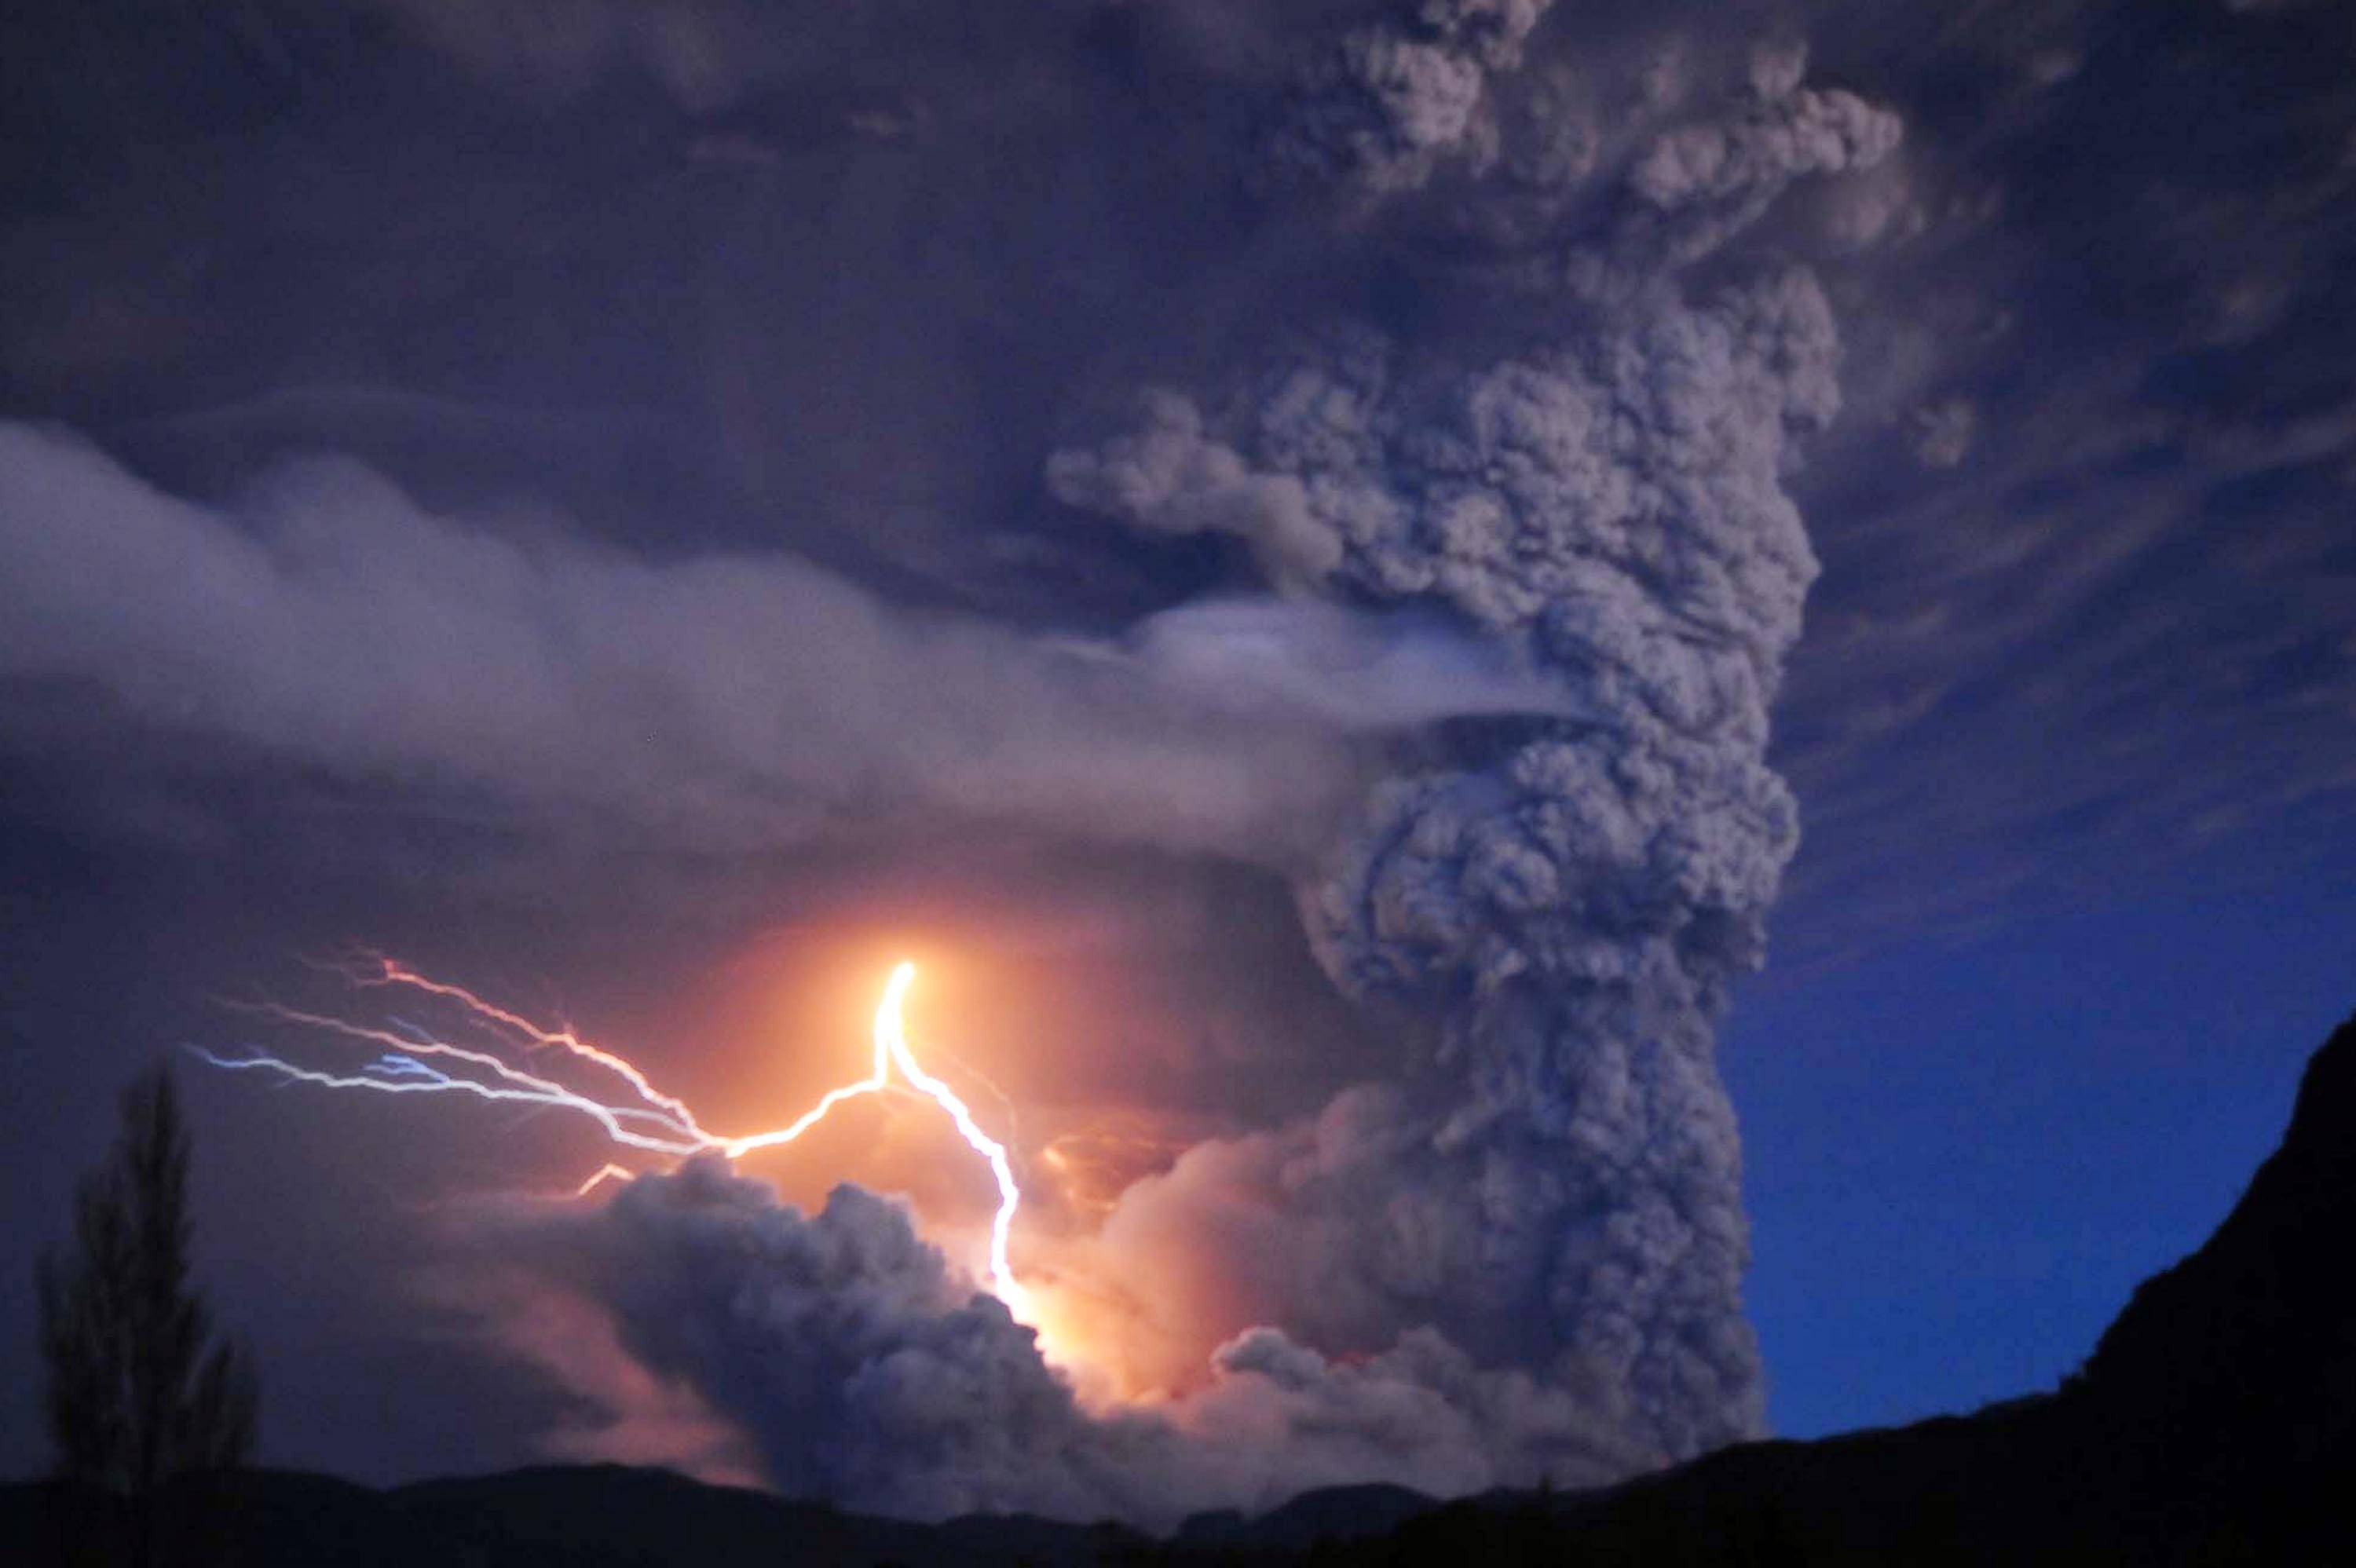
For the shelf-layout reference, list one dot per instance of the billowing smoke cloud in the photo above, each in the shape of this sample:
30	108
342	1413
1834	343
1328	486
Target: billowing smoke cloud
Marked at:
866	1370
731	701
1527	1259
1572	895
1701	184
1394	98
1569	896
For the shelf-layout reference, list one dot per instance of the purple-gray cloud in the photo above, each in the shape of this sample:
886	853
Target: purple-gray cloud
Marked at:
730	700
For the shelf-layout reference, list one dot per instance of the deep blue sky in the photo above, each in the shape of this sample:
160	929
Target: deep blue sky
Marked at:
2072	726
1965	1153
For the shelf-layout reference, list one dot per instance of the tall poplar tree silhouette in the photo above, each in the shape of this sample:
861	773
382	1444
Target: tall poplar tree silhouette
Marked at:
135	1396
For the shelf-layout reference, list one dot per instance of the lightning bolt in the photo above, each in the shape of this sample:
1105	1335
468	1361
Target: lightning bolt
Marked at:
410	1061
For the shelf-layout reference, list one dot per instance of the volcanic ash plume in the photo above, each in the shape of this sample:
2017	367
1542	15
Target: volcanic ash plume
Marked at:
1571	895
1568	896
1561	480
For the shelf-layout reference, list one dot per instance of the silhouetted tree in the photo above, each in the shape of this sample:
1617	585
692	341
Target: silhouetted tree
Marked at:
135	1396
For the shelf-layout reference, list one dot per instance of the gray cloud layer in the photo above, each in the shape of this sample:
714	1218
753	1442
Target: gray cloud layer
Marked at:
728	701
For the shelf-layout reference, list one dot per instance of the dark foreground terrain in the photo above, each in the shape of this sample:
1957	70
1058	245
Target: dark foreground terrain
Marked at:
2215	1423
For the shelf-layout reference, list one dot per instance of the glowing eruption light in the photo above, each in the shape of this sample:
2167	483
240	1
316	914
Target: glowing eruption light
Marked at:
657	1123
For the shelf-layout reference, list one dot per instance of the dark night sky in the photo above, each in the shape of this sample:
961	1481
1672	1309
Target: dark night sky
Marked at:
660	400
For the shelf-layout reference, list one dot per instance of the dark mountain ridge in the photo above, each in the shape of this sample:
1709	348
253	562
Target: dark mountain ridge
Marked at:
2215	1423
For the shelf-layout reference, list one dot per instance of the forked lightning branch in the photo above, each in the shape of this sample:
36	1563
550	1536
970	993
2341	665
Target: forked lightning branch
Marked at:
411	1060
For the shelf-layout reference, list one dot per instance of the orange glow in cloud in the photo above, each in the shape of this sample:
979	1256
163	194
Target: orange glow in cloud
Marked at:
1094	1165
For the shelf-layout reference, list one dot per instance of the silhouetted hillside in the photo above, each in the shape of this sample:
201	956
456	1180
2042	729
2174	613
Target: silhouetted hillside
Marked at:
2230	1380
2215	1423
590	1516
1331	1514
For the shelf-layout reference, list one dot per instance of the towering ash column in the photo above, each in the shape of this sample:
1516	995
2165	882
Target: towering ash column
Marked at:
1586	467
1573	896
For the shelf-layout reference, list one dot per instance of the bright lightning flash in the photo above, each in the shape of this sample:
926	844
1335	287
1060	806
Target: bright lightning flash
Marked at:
657	1122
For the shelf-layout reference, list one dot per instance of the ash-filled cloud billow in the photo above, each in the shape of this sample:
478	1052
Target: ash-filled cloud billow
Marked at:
1569	896
1566	463
863	1367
